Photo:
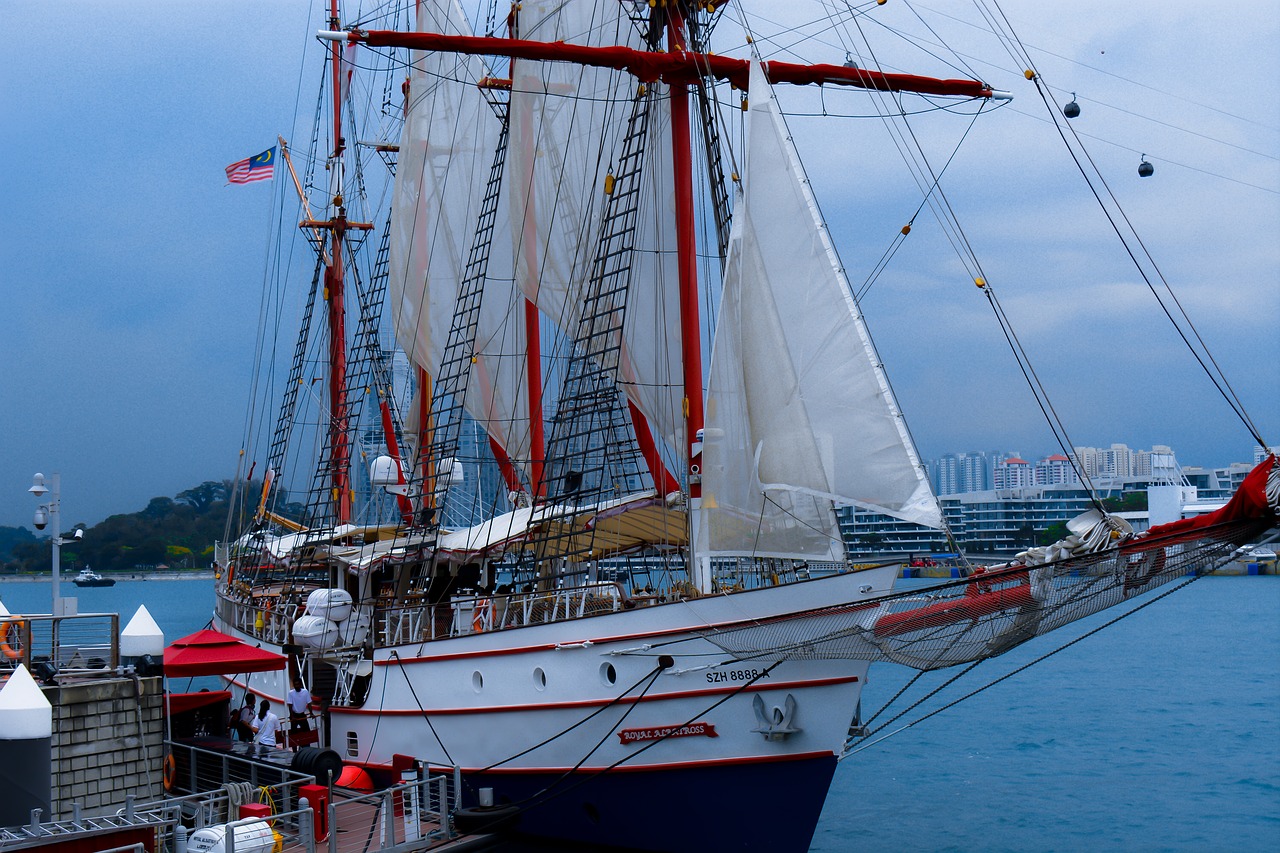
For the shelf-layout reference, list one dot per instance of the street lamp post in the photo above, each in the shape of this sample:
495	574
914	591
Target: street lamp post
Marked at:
48	513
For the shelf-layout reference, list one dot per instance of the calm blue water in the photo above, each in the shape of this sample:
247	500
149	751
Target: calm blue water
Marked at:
1161	733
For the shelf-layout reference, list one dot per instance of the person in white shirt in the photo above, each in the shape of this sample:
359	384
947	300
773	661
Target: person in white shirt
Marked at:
298	700
265	726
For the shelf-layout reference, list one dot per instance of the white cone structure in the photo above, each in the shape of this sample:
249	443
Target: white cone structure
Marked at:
142	636
26	752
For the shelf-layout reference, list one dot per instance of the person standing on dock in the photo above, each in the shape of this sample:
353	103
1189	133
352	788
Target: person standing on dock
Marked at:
298	701
265	726
244	720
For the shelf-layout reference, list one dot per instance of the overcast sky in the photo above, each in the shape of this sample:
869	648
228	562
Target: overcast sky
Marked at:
131	272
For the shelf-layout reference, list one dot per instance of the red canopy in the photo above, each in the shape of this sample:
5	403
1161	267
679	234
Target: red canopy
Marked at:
181	702
211	652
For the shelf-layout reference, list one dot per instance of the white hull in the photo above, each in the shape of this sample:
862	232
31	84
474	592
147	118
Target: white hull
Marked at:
493	695
553	699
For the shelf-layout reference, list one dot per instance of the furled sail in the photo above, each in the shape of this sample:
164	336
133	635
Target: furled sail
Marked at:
567	124
799	412
447	148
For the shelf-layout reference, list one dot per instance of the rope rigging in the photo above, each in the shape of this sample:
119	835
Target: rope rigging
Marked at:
1127	233
870	743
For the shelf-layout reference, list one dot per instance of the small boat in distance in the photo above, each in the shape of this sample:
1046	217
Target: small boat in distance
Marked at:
88	577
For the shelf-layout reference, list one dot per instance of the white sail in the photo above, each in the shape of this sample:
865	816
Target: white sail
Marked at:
567	124
799	412
448	143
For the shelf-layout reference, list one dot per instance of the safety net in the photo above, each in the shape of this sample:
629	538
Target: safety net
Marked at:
1100	565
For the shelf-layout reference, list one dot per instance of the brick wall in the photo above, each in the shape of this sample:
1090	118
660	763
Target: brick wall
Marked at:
107	742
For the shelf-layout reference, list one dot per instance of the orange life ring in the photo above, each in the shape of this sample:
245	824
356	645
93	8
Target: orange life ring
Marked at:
170	772
11	640
477	619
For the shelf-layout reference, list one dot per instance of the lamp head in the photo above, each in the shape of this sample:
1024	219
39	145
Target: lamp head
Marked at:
38	488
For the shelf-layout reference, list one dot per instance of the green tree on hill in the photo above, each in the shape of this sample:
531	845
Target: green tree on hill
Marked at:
180	532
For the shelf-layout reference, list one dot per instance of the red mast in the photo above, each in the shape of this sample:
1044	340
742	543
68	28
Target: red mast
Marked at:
687	258
340	458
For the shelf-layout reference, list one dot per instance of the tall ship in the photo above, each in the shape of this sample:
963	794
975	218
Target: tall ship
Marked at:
573	536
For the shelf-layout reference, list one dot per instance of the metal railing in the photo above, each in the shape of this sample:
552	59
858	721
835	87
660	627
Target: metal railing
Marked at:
40	834
415	622
208	787
471	614
202	773
409	816
86	643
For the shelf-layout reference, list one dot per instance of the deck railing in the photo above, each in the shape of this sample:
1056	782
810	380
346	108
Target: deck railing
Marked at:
269	616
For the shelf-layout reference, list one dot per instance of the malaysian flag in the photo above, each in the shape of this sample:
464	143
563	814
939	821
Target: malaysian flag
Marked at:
260	167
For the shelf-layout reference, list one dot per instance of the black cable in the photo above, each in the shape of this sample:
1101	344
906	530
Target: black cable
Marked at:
588	718
418	702
1025	666
582	781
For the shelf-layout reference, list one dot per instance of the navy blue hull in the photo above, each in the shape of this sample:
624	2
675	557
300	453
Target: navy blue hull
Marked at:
767	806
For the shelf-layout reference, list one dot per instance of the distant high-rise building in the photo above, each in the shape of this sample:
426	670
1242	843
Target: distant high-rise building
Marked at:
957	473
1054	470
1260	453
1120	462
1014	473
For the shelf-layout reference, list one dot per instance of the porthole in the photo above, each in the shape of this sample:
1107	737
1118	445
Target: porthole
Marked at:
608	674
539	678
477	681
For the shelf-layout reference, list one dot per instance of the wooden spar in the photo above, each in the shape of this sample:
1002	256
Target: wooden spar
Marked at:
676	67
309	222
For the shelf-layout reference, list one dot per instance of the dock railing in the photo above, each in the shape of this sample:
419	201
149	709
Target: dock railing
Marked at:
209	786
410	816
203	773
85	644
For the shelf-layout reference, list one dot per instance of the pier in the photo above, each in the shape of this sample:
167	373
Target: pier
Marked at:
134	768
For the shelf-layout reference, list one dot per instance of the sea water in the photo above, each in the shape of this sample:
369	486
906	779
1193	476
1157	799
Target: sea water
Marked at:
1159	733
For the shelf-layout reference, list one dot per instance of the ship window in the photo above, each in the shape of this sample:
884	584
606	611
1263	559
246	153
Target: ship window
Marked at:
353	744
608	674
477	681
539	678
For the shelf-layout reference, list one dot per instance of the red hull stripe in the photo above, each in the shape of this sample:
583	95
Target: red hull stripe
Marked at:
596	703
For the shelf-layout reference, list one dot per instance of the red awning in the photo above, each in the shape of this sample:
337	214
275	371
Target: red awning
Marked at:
180	702
211	652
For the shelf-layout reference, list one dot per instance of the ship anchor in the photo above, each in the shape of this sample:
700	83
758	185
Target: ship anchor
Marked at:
775	725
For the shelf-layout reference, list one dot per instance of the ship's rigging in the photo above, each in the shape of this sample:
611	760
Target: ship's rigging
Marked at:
544	275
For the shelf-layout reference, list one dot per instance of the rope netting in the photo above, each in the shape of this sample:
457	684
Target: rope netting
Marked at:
995	609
